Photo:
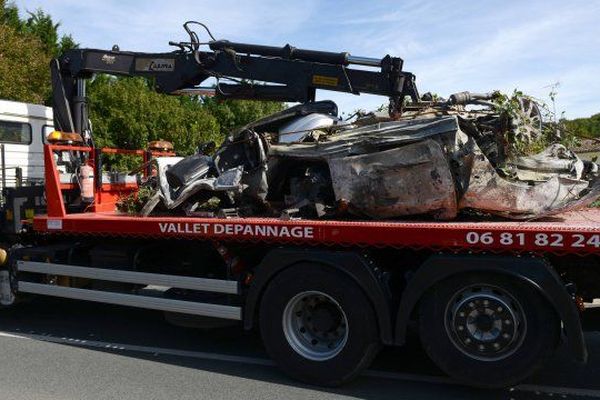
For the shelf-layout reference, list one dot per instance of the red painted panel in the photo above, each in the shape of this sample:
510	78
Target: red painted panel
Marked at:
574	233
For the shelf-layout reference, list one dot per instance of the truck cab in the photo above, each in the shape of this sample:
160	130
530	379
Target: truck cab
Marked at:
23	131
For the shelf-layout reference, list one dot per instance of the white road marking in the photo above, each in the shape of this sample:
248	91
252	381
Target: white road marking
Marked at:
566	391
398	376
142	349
265	362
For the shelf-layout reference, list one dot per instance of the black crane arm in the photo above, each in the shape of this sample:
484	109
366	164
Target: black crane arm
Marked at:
298	79
262	73
169	71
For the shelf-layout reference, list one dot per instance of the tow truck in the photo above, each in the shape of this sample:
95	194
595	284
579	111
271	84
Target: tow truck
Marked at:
490	300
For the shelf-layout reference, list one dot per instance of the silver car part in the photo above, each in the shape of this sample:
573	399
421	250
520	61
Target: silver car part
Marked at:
144	278
229	180
489	192
369	139
301	127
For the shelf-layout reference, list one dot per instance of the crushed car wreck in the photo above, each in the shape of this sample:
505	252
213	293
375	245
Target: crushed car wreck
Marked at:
438	159
477	154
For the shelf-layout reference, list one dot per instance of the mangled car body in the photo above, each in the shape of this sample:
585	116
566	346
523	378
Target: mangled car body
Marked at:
439	158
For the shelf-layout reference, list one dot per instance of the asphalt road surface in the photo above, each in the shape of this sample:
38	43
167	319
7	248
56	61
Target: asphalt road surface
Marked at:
63	350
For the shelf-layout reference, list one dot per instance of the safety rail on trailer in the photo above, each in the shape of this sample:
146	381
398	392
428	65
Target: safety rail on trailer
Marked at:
106	194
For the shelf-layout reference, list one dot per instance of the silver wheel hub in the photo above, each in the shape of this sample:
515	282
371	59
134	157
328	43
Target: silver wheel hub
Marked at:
485	323
315	325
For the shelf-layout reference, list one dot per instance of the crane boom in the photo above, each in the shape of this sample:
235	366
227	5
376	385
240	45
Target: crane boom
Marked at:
260	72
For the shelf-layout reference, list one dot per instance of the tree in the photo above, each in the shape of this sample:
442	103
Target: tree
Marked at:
9	15
127	113
232	114
26	48
585	127
66	43
24	71
41	25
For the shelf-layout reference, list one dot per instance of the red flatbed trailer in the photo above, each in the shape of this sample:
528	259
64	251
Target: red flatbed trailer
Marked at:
572	233
490	300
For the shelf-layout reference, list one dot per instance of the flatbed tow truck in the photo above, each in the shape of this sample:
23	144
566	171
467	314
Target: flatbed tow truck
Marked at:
490	300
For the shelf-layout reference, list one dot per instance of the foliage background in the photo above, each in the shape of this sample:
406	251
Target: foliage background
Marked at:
585	127
125	112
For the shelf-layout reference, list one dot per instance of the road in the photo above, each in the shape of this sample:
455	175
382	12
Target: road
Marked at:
63	350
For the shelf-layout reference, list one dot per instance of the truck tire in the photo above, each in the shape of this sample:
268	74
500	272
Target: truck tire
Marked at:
487	330
318	325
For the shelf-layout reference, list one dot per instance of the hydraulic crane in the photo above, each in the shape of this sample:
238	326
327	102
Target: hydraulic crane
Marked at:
261	73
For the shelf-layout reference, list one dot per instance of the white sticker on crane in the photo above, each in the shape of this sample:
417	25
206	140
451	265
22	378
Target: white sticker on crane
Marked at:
54	224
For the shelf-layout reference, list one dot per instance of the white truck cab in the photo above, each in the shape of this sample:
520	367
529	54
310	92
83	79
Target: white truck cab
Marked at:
23	131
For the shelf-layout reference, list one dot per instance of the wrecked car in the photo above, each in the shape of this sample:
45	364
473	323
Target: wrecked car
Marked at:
440	158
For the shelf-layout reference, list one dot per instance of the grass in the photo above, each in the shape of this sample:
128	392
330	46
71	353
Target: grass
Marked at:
589	155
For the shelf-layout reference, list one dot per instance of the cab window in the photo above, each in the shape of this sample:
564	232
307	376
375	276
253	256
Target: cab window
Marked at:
15	132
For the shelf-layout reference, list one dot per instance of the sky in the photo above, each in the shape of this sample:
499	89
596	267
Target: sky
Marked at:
450	46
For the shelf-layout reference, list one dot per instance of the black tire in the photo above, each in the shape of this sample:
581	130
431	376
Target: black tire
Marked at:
442	326
362	340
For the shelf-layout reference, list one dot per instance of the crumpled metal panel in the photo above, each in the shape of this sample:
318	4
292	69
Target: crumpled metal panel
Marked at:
369	139
399	168
489	192
408	180
229	180
555	159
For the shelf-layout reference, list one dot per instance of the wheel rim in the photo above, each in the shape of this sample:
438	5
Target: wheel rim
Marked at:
485	323
526	123
315	325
